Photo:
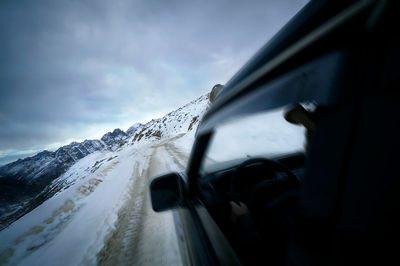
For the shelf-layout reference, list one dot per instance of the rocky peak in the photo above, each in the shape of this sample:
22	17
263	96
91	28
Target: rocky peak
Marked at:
133	129
116	137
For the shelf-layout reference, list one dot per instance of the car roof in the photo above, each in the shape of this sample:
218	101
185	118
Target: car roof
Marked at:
308	18
326	54
305	46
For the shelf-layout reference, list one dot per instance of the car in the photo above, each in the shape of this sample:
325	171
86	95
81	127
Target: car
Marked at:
306	136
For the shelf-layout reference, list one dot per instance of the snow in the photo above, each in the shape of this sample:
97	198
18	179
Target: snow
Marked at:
75	225
132	129
177	122
102	214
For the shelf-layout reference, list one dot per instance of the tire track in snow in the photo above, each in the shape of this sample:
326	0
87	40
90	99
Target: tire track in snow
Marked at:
179	157
141	236
157	242
119	245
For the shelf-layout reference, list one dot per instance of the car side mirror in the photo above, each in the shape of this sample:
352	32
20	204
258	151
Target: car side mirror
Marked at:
166	192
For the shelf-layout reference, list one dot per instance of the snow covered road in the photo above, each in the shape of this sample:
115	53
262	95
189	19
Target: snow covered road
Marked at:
104	214
141	236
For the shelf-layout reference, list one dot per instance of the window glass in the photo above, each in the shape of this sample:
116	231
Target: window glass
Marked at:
265	134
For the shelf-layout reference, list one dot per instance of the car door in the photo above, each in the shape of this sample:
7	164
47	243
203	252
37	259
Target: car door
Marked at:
315	58
200	240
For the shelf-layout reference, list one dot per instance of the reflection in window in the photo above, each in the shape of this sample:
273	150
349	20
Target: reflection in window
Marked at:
265	134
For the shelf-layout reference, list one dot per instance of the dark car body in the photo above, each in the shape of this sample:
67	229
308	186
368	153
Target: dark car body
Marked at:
343	57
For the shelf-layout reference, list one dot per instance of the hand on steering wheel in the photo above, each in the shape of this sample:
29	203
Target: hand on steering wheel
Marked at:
238	210
269	164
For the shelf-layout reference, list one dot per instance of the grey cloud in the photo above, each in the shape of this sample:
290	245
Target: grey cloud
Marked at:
68	65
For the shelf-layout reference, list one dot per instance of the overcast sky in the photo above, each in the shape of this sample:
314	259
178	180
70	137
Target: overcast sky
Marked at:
73	70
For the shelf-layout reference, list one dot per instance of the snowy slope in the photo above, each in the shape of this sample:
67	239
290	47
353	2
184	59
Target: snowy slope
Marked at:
98	211
177	122
75	225
32	168
26	183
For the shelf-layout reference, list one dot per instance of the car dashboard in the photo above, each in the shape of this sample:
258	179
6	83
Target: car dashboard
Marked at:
215	189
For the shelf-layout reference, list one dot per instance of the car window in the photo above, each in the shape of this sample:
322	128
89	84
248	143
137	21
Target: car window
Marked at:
265	134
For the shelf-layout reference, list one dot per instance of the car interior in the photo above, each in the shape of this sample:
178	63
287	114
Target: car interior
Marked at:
269	187
238	183
336	202
299	203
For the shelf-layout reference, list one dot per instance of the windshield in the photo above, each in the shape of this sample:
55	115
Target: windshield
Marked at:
265	134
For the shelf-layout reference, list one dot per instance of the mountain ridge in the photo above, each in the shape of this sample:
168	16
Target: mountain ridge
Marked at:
29	182
74	151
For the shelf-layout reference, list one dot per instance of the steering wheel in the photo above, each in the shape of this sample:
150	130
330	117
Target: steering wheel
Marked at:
272	165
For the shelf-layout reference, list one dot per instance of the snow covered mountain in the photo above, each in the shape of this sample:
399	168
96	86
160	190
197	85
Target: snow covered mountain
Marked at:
26	183
116	137
177	122
39	166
